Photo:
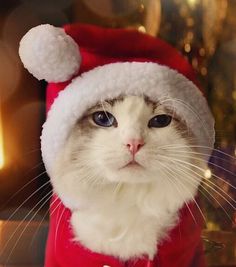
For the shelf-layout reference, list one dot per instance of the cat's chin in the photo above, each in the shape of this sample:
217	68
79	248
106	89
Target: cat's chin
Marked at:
130	174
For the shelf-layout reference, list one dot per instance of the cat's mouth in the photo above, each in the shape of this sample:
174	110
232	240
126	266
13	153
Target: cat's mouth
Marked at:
132	164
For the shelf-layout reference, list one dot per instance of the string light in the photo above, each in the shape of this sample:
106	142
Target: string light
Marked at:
192	3
207	174
204	71
234	95
141	8
142	29
195	63
187	48
202	52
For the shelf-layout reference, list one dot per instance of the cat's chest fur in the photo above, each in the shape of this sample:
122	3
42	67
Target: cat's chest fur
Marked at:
129	226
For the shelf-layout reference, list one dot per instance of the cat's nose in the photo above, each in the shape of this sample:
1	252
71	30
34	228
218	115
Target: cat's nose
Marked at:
134	145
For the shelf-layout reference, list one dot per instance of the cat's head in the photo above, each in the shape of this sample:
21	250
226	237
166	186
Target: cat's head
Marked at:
128	140
153	80
127	129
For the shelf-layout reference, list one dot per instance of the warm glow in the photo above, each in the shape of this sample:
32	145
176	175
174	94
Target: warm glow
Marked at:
192	3
142	29
207	174
234	94
187	48
1	145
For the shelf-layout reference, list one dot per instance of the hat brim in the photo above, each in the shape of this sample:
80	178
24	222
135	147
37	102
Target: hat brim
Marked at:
130	78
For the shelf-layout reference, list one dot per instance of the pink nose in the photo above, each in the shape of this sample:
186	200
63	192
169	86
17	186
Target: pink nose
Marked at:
134	145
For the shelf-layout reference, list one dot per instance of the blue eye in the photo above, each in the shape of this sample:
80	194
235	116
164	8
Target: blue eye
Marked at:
104	119
160	121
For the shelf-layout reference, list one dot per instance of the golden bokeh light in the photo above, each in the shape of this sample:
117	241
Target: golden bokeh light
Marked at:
193	3
142	29
207	174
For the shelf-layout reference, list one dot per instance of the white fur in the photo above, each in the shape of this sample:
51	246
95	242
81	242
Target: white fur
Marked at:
124	212
112	80
132	225
49	53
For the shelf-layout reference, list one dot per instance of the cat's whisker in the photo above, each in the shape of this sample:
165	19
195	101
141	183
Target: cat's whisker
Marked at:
197	153
43	219
172	173
91	178
35	167
210	163
21	189
191	146
28	198
117	188
22	233
197	167
22	221
31	151
213	197
189	108
57	227
210	149
191	178
214	175
213	185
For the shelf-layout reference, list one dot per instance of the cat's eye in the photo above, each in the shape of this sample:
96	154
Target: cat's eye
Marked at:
104	119
160	121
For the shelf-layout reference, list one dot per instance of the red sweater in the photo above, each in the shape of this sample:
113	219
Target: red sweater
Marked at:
183	249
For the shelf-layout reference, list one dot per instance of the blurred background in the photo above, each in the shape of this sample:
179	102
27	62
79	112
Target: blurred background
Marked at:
204	31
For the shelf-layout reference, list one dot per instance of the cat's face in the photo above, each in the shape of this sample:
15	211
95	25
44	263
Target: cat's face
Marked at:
126	140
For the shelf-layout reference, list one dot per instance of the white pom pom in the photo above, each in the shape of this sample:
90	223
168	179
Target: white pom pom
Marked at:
49	53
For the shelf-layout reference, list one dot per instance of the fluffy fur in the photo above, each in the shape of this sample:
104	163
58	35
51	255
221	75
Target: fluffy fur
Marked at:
49	53
117	210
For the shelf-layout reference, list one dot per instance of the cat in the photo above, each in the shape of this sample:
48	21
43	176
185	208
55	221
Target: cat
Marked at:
123	144
119	177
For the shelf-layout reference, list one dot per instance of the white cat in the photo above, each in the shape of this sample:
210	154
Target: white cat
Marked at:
118	175
119	142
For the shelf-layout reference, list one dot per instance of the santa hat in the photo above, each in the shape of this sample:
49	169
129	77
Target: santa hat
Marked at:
85	64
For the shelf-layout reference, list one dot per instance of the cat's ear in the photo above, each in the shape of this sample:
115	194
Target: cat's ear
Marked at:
49	53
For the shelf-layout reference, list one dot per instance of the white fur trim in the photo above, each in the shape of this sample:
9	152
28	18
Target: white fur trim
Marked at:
112	80
49	53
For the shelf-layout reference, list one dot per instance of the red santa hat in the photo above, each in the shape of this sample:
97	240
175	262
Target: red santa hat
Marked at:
85	64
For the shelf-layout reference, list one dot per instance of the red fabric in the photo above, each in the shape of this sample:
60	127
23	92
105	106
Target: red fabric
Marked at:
99	46
183	249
